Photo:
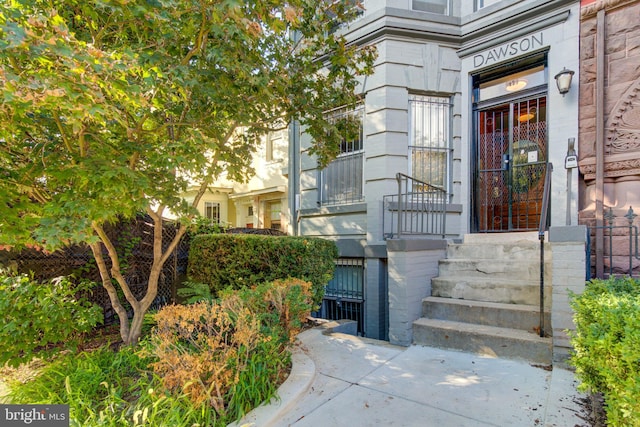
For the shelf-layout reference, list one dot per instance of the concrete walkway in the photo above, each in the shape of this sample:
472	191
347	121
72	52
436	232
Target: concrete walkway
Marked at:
343	380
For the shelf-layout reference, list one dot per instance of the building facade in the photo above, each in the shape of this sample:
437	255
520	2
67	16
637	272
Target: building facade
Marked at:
261	201
609	148
464	109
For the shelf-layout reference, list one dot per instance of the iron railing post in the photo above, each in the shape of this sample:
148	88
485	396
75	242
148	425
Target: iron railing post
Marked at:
541	230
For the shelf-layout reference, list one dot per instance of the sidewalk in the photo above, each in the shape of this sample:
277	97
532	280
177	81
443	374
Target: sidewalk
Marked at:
343	380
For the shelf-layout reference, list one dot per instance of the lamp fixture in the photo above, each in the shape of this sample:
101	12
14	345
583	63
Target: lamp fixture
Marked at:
515	85
530	114
563	80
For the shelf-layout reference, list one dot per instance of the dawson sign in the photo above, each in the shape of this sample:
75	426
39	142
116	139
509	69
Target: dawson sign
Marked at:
508	50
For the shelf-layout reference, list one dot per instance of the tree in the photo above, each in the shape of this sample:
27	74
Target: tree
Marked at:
112	107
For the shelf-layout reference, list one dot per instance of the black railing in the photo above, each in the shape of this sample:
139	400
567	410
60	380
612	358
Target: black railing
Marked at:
614	252
542	228
417	209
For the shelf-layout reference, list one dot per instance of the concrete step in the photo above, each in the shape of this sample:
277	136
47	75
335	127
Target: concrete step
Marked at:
483	340
500	238
490	289
524	270
516	251
515	316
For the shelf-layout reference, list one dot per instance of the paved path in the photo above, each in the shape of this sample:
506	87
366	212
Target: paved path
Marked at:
342	380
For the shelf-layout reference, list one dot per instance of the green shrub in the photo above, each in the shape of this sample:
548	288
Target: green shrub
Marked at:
236	261
607	345
38	315
107	388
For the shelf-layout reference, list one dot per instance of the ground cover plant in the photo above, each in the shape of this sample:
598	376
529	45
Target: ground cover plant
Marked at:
606	345
206	363
42	317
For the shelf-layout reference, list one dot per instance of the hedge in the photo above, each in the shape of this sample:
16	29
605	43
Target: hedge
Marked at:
237	261
607	346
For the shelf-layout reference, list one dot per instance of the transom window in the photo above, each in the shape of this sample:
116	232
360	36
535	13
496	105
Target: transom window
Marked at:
341	180
430	139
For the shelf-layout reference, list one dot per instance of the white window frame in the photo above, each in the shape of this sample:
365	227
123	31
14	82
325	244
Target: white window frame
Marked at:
430	140
212	211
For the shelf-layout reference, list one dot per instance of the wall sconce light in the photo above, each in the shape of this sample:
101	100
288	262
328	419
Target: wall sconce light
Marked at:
563	80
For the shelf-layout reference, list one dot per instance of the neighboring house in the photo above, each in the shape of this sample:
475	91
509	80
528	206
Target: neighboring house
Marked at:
261	202
460	122
609	138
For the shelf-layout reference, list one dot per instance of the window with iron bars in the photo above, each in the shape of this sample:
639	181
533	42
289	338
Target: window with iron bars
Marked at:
341	181
344	294
430	140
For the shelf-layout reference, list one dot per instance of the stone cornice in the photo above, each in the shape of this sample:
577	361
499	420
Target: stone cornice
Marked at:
592	9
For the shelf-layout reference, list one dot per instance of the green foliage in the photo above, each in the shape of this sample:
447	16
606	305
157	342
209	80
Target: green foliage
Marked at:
202	225
236	261
37	315
607	345
213	363
192	292
110	108
107	388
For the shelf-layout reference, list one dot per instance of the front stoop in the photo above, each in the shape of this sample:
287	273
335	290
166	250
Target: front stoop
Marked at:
486	301
511	341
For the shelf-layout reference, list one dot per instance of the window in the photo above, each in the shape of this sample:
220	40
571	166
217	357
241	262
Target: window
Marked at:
484	3
274	144
274	210
433	6
212	211
353	7
341	180
249	210
430	139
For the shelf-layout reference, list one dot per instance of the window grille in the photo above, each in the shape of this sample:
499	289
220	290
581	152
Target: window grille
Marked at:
341	181
430	140
344	294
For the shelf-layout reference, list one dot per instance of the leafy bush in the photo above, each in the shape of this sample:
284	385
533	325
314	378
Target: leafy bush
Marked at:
607	345
192	292
37	315
236	261
107	388
230	355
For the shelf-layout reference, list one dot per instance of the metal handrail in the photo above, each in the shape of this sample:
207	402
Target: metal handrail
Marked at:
546	196
419	207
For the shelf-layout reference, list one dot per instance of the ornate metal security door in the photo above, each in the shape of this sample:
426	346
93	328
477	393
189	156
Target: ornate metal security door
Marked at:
511	149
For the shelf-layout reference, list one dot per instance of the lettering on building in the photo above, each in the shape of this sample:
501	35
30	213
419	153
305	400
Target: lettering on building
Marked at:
508	50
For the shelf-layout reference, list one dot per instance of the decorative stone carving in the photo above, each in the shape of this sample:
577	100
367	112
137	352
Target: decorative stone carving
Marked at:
623	132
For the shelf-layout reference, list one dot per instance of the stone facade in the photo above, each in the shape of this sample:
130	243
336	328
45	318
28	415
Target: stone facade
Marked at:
609	151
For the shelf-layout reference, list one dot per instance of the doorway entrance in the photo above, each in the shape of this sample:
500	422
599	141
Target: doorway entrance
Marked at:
512	159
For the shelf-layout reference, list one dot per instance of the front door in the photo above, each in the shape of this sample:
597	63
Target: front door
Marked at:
511	159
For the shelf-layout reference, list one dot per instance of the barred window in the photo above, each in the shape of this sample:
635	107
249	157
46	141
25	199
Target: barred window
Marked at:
430	139
341	181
